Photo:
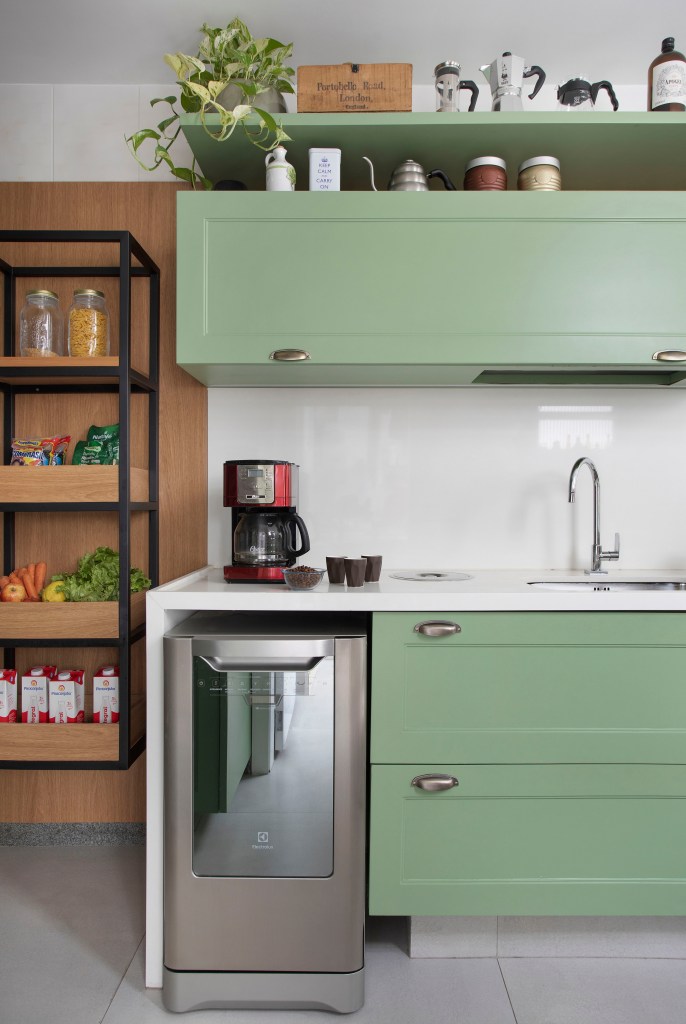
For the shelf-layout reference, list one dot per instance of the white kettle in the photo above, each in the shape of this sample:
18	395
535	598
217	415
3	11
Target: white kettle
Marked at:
506	78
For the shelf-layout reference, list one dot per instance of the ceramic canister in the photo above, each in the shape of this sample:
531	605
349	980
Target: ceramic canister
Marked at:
540	173
485	173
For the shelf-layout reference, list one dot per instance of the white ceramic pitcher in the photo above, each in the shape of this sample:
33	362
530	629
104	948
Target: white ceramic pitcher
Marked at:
280	174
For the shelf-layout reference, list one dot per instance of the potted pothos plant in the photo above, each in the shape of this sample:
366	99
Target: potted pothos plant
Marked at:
240	78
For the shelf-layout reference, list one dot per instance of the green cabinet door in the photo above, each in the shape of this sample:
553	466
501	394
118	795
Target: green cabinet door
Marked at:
431	288
529	839
530	687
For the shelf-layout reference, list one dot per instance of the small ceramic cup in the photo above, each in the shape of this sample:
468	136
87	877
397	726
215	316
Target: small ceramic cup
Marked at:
373	570
354	571
335	568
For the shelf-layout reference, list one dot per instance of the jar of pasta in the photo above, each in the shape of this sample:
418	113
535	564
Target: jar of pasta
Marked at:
89	324
40	325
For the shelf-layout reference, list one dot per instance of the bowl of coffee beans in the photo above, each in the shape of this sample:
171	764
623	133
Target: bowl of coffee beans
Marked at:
302	577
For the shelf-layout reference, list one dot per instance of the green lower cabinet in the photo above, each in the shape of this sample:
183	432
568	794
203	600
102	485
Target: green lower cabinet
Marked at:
529	839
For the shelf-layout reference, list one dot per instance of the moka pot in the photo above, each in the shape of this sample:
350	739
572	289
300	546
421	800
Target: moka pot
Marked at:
506	78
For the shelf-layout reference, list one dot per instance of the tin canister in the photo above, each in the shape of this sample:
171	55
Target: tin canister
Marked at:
325	170
485	174
540	173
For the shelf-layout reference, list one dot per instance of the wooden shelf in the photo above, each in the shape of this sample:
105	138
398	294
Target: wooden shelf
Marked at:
85	742
43	367
48	484
616	151
66	620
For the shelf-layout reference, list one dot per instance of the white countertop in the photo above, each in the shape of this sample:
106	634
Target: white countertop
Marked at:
487	590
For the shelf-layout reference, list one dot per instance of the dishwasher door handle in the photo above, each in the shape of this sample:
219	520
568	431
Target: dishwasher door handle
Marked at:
434	783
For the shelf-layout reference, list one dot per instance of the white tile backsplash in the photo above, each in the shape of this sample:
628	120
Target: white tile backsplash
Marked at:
458	478
26	132
150	117
91	123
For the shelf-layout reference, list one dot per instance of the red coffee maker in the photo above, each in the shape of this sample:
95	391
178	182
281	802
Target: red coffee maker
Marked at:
262	495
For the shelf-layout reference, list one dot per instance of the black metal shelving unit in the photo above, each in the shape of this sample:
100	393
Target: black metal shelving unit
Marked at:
42	378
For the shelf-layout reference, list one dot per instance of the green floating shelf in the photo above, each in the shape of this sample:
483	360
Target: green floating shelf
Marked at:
616	151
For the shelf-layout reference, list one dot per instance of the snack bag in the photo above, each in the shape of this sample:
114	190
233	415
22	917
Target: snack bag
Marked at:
101	447
8	694
39	451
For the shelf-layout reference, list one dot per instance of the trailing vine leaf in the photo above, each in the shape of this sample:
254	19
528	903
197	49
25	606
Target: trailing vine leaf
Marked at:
225	56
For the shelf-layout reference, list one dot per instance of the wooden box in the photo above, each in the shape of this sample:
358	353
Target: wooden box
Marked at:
348	88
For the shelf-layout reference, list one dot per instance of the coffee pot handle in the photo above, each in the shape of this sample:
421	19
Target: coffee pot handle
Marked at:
535	70
438	173
473	88
597	86
294	521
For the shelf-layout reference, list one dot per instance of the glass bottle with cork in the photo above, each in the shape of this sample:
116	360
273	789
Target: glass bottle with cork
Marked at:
667	79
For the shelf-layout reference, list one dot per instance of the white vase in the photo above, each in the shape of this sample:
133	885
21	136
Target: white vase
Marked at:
280	174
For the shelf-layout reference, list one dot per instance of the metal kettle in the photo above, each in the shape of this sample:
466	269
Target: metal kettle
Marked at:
506	78
410	176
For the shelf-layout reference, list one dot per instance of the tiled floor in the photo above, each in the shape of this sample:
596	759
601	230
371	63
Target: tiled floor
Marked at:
71	952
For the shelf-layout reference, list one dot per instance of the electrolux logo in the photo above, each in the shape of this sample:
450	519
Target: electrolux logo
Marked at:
262	842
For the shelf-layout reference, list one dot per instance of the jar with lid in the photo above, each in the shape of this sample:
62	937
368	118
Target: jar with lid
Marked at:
540	173
41	325
89	324
485	174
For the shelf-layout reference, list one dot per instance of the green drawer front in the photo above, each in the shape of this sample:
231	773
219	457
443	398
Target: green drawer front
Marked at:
553	687
582	839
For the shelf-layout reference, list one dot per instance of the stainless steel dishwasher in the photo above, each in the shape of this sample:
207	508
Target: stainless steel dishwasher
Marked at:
264	831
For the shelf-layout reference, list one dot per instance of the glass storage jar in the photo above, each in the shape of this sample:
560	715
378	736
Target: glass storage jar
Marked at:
89	324
41	325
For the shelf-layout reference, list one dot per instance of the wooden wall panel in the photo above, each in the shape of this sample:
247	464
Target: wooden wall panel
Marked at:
148	211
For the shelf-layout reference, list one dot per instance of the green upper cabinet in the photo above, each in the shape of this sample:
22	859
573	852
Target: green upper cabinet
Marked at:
431	288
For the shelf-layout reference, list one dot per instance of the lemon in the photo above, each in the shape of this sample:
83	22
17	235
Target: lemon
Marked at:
54	592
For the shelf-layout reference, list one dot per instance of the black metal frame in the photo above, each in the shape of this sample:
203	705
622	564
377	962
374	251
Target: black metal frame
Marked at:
121	380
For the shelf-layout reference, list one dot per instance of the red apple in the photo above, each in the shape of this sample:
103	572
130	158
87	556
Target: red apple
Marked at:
13	592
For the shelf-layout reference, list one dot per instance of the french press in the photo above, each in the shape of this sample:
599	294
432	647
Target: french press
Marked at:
448	87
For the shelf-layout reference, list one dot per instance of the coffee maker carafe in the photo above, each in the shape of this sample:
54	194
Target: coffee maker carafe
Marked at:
506	75
262	495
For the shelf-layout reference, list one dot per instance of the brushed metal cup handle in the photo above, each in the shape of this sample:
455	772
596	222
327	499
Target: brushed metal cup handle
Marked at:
670	355
434	783
437	627
291	355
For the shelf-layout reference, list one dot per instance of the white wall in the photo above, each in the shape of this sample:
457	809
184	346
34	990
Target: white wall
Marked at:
465	478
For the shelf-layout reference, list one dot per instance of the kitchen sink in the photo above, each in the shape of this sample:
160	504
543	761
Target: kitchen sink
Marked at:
597	584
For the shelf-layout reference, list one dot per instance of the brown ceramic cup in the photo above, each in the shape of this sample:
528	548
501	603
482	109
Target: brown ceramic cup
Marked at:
354	571
335	568
373	571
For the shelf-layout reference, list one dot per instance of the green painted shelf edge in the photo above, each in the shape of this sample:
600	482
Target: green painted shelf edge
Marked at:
605	151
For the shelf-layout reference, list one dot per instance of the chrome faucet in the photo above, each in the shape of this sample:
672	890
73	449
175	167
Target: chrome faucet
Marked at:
598	553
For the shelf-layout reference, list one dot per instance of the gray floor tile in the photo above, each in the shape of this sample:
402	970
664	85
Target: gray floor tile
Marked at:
72	918
398	991
596	991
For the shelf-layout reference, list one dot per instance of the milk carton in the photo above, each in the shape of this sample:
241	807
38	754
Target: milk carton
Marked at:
8	694
106	694
34	694
66	697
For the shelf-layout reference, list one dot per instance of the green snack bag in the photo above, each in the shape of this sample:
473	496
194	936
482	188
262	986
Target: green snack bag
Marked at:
108	439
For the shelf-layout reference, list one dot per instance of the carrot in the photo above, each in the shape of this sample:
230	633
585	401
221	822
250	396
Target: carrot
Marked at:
32	572
29	586
14	578
4	580
41	570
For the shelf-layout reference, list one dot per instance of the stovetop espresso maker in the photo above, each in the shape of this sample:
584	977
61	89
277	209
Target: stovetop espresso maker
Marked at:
262	495
506	75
